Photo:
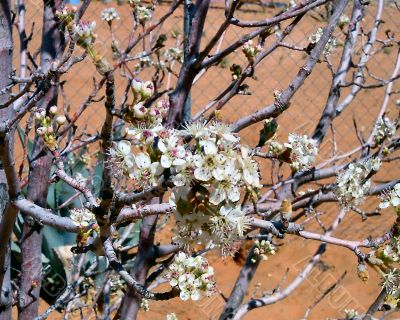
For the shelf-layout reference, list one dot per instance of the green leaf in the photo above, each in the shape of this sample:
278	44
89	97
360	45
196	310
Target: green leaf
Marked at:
268	131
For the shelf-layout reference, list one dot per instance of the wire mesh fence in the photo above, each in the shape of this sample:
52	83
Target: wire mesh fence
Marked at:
271	76
274	74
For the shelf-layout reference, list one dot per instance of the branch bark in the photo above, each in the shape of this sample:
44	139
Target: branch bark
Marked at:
31	239
7	213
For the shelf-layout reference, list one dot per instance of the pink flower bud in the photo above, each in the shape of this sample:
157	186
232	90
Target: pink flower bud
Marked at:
147	90
53	110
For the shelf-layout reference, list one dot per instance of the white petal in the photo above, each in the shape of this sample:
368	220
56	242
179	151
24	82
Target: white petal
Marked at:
210	148
395	201
165	161
178	162
384	205
124	147
179	180
216	196
234	195
142	160
161	145
202	174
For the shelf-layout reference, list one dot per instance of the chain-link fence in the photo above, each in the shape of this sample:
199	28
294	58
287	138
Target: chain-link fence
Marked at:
273	74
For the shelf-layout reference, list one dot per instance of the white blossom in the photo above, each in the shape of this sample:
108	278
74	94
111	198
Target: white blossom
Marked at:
110	14
343	20
83	33
391	198
391	281
144	13
384	128
250	50
235	219
223	132
303	151
249	168
227	186
192	275
350	314
172	152
263	249
134	2
330	45
197	130
121	157
210	164
184	173
146	172
82	217
174	54
144	304
352	183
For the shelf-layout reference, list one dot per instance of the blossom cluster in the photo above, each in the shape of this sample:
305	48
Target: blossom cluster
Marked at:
391	282
174	54
134	3
109	15
384	128
303	151
207	166
83	33
143	13
138	113
171	316
350	314
354	183
208	187
48	125
263	249
330	45
66	15
343	21
250	50
192	276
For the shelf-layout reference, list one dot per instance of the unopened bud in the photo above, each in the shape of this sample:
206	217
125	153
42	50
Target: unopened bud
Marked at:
136	85
362	272
53	110
61	120
41	131
147	89
140	110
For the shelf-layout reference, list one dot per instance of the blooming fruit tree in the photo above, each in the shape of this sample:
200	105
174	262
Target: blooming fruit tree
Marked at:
109	217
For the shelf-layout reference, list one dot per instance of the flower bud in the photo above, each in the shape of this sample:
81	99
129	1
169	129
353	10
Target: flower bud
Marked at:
147	90
53	110
41	131
362	272
61	120
136	85
50	130
139	110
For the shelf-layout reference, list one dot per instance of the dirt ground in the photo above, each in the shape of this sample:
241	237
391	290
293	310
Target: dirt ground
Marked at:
275	73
